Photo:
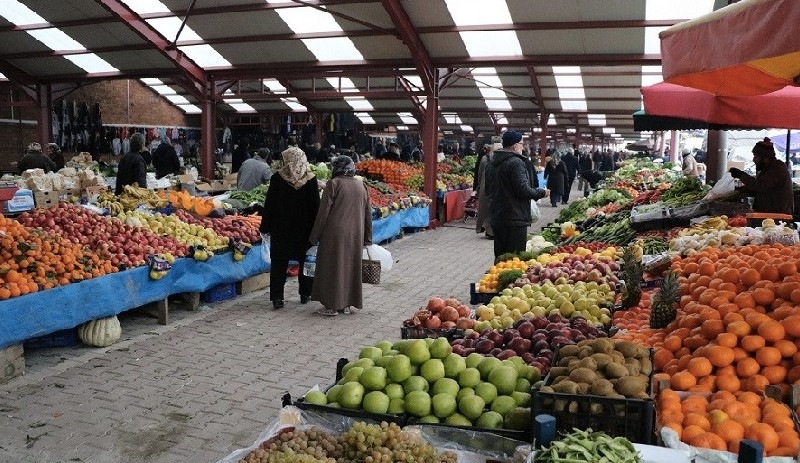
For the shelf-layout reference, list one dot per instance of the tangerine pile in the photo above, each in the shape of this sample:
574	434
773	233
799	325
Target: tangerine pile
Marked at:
388	171
490	280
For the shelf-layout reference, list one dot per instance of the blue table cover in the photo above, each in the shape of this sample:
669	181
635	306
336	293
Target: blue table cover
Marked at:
389	227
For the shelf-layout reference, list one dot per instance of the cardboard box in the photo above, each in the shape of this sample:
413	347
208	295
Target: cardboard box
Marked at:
12	362
48	199
254	283
212	186
93	192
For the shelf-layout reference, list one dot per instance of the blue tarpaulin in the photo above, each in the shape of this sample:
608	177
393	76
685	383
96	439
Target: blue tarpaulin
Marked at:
65	307
389	227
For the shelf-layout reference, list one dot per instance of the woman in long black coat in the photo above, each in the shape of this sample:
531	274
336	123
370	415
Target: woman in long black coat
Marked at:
289	213
556	175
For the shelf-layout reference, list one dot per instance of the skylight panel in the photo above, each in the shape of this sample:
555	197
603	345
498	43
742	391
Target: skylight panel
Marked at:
342	84
19	14
415	81
467	128
502	120
91	63
163	89
407	118
177	99
452	119
498	105
551	120
190	109
571	93
570	88
169	27
489	92
365	118
333	49
306	20
677	9
236	103
597	119
479	12
573	105
537	129
571	130
151	81
205	56
146	6
294	104
55	39
274	86
652	43
651	75
3	76
359	103
491	43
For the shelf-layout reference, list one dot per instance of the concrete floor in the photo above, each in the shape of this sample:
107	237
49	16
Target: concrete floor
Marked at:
212	380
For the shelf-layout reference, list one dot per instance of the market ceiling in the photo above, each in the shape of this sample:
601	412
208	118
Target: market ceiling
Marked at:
493	63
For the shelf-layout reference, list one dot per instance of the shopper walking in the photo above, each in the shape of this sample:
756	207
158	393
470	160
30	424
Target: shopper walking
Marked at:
482	223
289	211
508	184
342	228
586	168
556	175
132	169
571	161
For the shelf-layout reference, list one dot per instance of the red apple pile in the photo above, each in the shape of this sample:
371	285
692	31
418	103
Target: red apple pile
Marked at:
442	314
241	230
111	239
535	339
572	270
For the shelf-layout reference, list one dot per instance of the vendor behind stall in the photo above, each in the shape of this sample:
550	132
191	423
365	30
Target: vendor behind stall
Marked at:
35	159
254	171
772	185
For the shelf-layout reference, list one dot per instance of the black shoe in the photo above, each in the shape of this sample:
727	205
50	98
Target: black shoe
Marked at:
489	237
277	304
304	299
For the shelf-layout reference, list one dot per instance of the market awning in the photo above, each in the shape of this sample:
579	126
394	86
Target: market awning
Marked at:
643	122
747	48
780	109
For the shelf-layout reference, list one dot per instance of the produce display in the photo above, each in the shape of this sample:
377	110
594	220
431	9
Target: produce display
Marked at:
131	198
450	175
257	195
684	191
183	200
230	227
387	198
442	314
580	446
171	225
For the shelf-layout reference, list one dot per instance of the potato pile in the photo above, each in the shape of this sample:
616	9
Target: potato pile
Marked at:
602	367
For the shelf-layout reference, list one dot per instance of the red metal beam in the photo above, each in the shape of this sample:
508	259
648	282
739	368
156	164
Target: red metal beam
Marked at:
603	59
410	37
159	43
537	90
414	96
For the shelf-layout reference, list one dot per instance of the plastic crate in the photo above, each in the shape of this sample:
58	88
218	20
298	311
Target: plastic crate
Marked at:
400	420
479	298
62	338
219	293
410	332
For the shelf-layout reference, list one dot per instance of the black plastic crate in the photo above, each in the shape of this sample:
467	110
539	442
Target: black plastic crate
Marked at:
62	338
476	298
410	332
222	292
520	436
400	420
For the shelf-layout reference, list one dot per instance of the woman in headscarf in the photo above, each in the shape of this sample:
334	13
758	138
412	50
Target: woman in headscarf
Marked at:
556	175
289	212
342	229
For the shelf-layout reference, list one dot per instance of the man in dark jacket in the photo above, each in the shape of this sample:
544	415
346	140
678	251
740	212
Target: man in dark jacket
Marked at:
585	168
240	154
772	185
131	167
571	161
165	160
508	183
35	159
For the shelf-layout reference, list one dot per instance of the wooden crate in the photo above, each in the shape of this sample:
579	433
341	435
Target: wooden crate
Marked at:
12	362
254	283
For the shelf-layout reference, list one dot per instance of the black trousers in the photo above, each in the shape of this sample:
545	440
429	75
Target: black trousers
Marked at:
280	264
509	238
567	190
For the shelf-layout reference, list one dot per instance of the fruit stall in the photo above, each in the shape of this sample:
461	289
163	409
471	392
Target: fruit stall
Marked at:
676	340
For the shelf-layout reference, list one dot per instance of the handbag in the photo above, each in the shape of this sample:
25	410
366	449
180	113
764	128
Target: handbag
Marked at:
370	270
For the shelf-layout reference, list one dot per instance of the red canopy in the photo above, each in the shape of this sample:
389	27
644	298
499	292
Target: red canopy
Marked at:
747	48
780	110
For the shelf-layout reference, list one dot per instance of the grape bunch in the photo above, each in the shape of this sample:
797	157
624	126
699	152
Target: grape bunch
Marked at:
386	443
297	446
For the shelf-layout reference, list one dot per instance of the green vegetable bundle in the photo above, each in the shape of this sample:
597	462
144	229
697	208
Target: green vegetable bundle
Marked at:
575	212
590	447
684	191
256	195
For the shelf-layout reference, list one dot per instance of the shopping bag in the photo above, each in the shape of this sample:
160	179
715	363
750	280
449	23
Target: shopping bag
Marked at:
380	254
265	248
724	188
536	214
370	270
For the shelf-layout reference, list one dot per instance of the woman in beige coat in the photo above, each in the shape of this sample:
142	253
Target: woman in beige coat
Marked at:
342	228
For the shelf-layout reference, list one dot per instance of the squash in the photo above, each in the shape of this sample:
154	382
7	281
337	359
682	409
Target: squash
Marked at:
100	333
203	206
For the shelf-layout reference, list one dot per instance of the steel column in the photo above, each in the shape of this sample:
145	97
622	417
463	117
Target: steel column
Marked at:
430	140
44	116
716	155
208	135
543	137
673	146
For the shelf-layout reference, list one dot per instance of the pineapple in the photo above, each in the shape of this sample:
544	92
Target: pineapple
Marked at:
664	306
632	270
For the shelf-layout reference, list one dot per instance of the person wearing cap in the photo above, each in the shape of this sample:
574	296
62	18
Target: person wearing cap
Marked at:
511	193
255	171
55	155
771	187
689	163
35	159
132	169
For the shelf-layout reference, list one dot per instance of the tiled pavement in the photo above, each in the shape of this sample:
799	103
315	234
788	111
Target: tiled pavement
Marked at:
212	380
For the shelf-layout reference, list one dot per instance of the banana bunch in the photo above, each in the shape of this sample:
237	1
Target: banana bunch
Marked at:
114	207
712	224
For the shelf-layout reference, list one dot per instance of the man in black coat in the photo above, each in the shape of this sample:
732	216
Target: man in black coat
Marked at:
571	161
165	160
508	183
240	154
131	167
585	168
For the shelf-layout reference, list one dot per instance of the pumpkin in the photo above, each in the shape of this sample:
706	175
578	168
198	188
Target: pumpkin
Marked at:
100	333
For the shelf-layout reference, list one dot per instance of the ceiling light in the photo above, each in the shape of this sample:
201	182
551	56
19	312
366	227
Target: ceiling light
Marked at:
467	128
294	104
571	130
452	119
597	119
359	103
608	130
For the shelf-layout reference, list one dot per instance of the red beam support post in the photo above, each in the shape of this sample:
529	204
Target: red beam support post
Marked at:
673	147
430	140
44	116
208	135
543	137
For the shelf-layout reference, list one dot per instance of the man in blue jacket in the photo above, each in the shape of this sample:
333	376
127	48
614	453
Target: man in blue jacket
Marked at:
509	185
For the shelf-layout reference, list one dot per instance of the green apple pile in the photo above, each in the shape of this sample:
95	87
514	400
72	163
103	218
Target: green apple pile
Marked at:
425	379
585	299
170	225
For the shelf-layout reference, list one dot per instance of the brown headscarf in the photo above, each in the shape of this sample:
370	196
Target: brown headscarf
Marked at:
295	170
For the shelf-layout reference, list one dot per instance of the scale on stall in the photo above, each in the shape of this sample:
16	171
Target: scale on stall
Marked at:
14	200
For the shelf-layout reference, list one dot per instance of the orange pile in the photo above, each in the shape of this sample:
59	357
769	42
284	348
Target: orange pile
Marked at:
388	171
31	260
635	322
491	279
721	420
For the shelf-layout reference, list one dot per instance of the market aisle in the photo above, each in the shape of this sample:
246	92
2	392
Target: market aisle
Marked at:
209	384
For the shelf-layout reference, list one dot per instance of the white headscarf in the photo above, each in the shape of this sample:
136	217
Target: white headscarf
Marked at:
295	170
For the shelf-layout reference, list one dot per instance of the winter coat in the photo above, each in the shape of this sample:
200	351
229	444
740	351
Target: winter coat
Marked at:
585	164
690	166
571	161
289	215
342	228
509	185
131	170
771	189
240	155
557	178
166	161
608	162
36	160
484	200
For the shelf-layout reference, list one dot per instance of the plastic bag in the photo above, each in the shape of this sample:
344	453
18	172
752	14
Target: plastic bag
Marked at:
310	264
378	253
722	189
536	214
265	248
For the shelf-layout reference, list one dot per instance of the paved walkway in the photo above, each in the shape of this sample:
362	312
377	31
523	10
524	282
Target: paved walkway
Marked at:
212	380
